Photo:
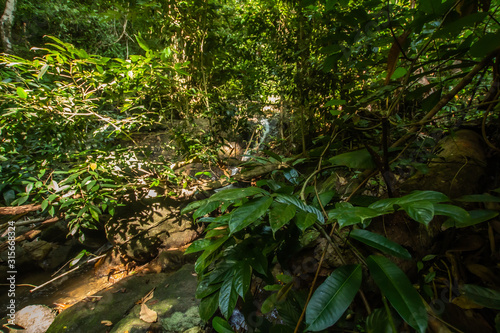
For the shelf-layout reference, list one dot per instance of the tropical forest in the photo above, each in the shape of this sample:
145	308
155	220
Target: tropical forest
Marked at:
274	166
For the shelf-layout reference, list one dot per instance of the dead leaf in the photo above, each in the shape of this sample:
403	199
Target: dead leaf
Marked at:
484	273
393	57
106	322
465	303
148	315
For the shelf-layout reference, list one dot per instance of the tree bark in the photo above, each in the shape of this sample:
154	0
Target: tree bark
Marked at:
6	22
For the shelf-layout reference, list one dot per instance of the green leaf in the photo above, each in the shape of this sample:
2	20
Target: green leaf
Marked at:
193	206
475	217
258	261
289	199
43	71
273	155
387	205
396	287
242	278
454	28
29	187
399	73
44	204
227	298
207	208
421	211
487	44
479	198
334	102
269	303
198	245
251	211
236	193
232	194
21	93
378	322
455	212
94	213
483	296
333	297
202	262
359	159
208	306
305	220
19	201
221	325
280	214
346	214
141	42
380	243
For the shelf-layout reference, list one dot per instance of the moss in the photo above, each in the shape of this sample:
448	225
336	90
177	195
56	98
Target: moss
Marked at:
181	321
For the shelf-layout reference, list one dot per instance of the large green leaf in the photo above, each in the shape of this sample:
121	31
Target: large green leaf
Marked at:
333	297
198	245
387	205
289	199
346	214
208	306
207	208
421	211
202	262
455	212
305	220
232	194
483	296
395	285
487	44
242	278
475	217
359	159
227	298
251	211
236	193
280	214
479	198
221	325
378	322
380	243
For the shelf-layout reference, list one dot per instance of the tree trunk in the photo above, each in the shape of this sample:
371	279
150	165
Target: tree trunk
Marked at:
6	22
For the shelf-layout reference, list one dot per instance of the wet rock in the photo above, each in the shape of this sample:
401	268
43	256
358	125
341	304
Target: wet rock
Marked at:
58	256
38	250
143	226
55	233
24	263
35	318
458	169
118	308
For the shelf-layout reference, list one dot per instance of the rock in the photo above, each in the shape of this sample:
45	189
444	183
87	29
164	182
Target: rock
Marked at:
24	263
55	233
458	169
35	318
120	308
143	226
58	256
38	250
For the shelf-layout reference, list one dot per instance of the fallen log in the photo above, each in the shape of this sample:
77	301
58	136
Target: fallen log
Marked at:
19	209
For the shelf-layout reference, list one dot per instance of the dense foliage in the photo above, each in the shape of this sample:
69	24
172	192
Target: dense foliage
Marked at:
357	85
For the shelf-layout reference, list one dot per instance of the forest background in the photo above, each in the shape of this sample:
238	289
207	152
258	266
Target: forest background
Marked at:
369	86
